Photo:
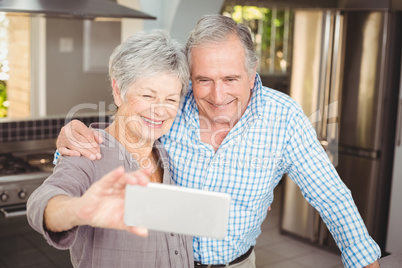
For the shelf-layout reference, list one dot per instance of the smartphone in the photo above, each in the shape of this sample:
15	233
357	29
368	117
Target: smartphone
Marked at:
177	209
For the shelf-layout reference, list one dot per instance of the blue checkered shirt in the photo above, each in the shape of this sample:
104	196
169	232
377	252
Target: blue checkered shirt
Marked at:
273	137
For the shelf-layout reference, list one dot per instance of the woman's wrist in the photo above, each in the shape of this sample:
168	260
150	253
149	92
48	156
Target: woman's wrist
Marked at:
61	213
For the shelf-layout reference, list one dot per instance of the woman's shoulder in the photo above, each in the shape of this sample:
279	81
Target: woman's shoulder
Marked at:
74	162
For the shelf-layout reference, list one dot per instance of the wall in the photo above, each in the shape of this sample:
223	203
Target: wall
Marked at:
187	14
67	84
40	128
176	16
18	89
131	26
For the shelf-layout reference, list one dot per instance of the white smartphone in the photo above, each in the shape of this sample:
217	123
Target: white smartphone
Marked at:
177	209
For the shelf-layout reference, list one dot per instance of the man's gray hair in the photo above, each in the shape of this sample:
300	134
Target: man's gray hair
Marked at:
215	29
146	54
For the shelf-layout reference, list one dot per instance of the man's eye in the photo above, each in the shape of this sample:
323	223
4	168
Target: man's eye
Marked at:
172	100
147	96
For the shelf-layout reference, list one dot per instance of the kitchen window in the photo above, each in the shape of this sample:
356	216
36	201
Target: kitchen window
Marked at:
15	64
4	68
271	30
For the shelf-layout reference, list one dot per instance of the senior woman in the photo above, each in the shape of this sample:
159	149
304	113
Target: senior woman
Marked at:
81	205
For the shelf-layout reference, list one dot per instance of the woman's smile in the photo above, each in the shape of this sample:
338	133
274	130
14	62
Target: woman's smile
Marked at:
152	123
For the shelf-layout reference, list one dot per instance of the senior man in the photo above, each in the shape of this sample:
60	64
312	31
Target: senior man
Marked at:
236	136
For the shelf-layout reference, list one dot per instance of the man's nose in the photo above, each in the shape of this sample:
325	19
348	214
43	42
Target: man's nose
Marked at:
218	93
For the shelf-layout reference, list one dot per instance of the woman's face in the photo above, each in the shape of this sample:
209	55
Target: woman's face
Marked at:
148	109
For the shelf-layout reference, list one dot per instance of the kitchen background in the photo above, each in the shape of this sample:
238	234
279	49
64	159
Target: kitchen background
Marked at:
54	69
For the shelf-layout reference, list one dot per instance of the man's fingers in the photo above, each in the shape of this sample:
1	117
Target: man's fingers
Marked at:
68	152
78	137
86	148
77	151
85	140
86	135
98	139
98	136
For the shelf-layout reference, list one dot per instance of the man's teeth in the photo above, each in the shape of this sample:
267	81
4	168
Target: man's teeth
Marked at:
152	122
220	106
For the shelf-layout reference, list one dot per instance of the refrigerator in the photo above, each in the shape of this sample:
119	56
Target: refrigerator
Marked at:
345	74
394	234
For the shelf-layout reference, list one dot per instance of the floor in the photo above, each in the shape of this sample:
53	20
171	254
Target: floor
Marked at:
274	250
32	253
22	247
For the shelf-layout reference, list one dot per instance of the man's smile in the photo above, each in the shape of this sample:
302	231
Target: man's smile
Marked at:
221	105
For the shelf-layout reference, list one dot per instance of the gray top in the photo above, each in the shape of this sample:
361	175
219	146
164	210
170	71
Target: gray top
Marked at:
98	247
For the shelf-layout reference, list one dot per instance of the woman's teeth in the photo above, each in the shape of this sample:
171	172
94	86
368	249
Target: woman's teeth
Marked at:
152	122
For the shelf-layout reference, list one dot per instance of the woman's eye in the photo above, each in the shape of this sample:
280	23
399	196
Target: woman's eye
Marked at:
147	96
172	100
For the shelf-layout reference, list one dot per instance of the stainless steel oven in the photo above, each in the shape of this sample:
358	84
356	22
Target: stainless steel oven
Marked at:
23	167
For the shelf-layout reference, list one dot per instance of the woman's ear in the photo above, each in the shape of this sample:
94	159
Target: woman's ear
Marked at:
116	94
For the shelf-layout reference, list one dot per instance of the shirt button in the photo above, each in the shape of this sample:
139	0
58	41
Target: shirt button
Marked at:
176	252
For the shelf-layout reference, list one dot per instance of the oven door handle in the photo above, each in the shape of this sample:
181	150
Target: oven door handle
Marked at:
13	214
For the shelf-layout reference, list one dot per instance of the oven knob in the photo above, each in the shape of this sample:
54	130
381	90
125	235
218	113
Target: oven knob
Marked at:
3	197
22	194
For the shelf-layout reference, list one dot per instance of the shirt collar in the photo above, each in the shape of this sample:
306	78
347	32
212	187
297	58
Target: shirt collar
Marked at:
256	101
190	108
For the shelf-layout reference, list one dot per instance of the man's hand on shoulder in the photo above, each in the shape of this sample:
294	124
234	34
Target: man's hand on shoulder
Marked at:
76	139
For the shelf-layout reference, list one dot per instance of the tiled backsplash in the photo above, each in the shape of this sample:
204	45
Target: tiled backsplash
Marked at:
39	129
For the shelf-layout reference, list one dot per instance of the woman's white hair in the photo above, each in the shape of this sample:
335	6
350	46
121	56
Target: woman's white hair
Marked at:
147	54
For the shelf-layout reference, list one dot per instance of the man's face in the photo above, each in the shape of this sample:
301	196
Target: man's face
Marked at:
221	84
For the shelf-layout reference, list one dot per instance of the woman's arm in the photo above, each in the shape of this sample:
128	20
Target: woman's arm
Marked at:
60	214
102	205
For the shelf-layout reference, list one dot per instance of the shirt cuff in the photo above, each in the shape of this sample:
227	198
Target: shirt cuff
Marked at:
361	253
56	157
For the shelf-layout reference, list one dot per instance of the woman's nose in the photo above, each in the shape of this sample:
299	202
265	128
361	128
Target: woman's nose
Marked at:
159	109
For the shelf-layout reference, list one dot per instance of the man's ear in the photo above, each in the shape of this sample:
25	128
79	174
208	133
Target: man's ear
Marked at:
118	100
252	77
